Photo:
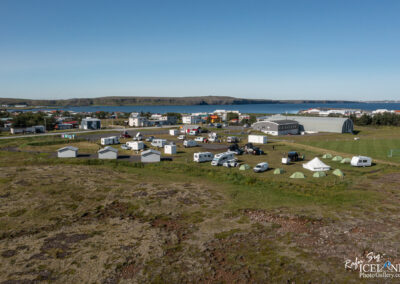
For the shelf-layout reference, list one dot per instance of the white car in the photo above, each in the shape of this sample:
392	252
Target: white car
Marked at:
231	163
261	167
199	139
181	137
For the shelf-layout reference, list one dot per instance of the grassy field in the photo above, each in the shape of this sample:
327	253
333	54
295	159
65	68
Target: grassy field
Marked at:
87	220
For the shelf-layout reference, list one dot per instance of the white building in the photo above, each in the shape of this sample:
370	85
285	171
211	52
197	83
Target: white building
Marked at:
223	114
67	152
150	156
191	119
108	153
135	145
170	149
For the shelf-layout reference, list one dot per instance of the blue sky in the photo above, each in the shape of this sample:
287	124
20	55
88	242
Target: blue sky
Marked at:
274	49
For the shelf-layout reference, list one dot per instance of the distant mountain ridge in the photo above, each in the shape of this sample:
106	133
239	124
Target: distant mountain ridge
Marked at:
127	101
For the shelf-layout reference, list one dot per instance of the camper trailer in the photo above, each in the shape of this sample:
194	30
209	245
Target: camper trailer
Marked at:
361	161
203	157
110	140
220	158
258	139
160	143
173	132
213	137
189	143
135	145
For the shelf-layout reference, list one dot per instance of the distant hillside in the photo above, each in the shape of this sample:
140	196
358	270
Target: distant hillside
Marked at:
126	101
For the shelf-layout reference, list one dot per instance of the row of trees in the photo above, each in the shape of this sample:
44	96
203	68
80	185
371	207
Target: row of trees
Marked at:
390	119
27	119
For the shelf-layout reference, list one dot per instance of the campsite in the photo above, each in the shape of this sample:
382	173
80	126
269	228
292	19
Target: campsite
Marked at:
189	210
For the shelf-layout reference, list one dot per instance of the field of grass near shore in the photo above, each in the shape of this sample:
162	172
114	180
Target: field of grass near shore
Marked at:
89	220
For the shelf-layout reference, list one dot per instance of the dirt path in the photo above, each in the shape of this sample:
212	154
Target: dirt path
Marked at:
322	150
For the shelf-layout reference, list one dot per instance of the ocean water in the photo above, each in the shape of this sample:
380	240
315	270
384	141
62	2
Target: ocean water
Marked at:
251	108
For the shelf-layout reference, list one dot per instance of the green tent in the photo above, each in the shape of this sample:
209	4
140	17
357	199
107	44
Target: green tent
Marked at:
319	174
337	158
278	171
327	156
244	167
297	175
338	173
345	161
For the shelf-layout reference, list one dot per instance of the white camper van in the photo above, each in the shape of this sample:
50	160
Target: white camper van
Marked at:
173	132
361	161
135	145
158	143
220	158
203	157
189	143
109	140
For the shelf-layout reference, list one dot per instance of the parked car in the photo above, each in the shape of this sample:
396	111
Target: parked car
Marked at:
218	125
201	139
150	138
293	156
125	135
232	139
231	163
125	147
181	137
235	148
193	132
261	167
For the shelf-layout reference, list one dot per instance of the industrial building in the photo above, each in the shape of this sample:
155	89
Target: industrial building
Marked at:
277	127
316	124
90	123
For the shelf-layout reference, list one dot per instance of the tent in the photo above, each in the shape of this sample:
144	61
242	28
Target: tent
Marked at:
319	174
278	171
244	167
338	173
345	161
337	158
327	156
316	165
297	175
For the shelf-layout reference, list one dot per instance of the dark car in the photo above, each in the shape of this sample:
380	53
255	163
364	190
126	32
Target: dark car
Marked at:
235	148
293	156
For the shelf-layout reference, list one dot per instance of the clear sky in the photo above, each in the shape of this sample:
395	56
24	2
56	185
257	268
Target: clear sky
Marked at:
272	49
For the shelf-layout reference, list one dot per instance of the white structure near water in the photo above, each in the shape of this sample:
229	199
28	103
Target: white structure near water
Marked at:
67	152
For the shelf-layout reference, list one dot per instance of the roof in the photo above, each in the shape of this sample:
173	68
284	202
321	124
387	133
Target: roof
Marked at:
150	152
282	121
107	149
71	148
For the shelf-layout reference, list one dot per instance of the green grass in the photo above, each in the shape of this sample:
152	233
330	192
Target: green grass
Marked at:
376	148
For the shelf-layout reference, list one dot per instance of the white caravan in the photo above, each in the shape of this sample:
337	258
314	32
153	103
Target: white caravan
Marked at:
109	140
361	161
135	145
220	158
173	132
203	157
189	143
158	143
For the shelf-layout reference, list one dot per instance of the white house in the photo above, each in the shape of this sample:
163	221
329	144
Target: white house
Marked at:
170	149
108	153
150	156
67	152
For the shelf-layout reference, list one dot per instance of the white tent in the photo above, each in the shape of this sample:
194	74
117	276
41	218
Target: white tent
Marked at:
316	165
